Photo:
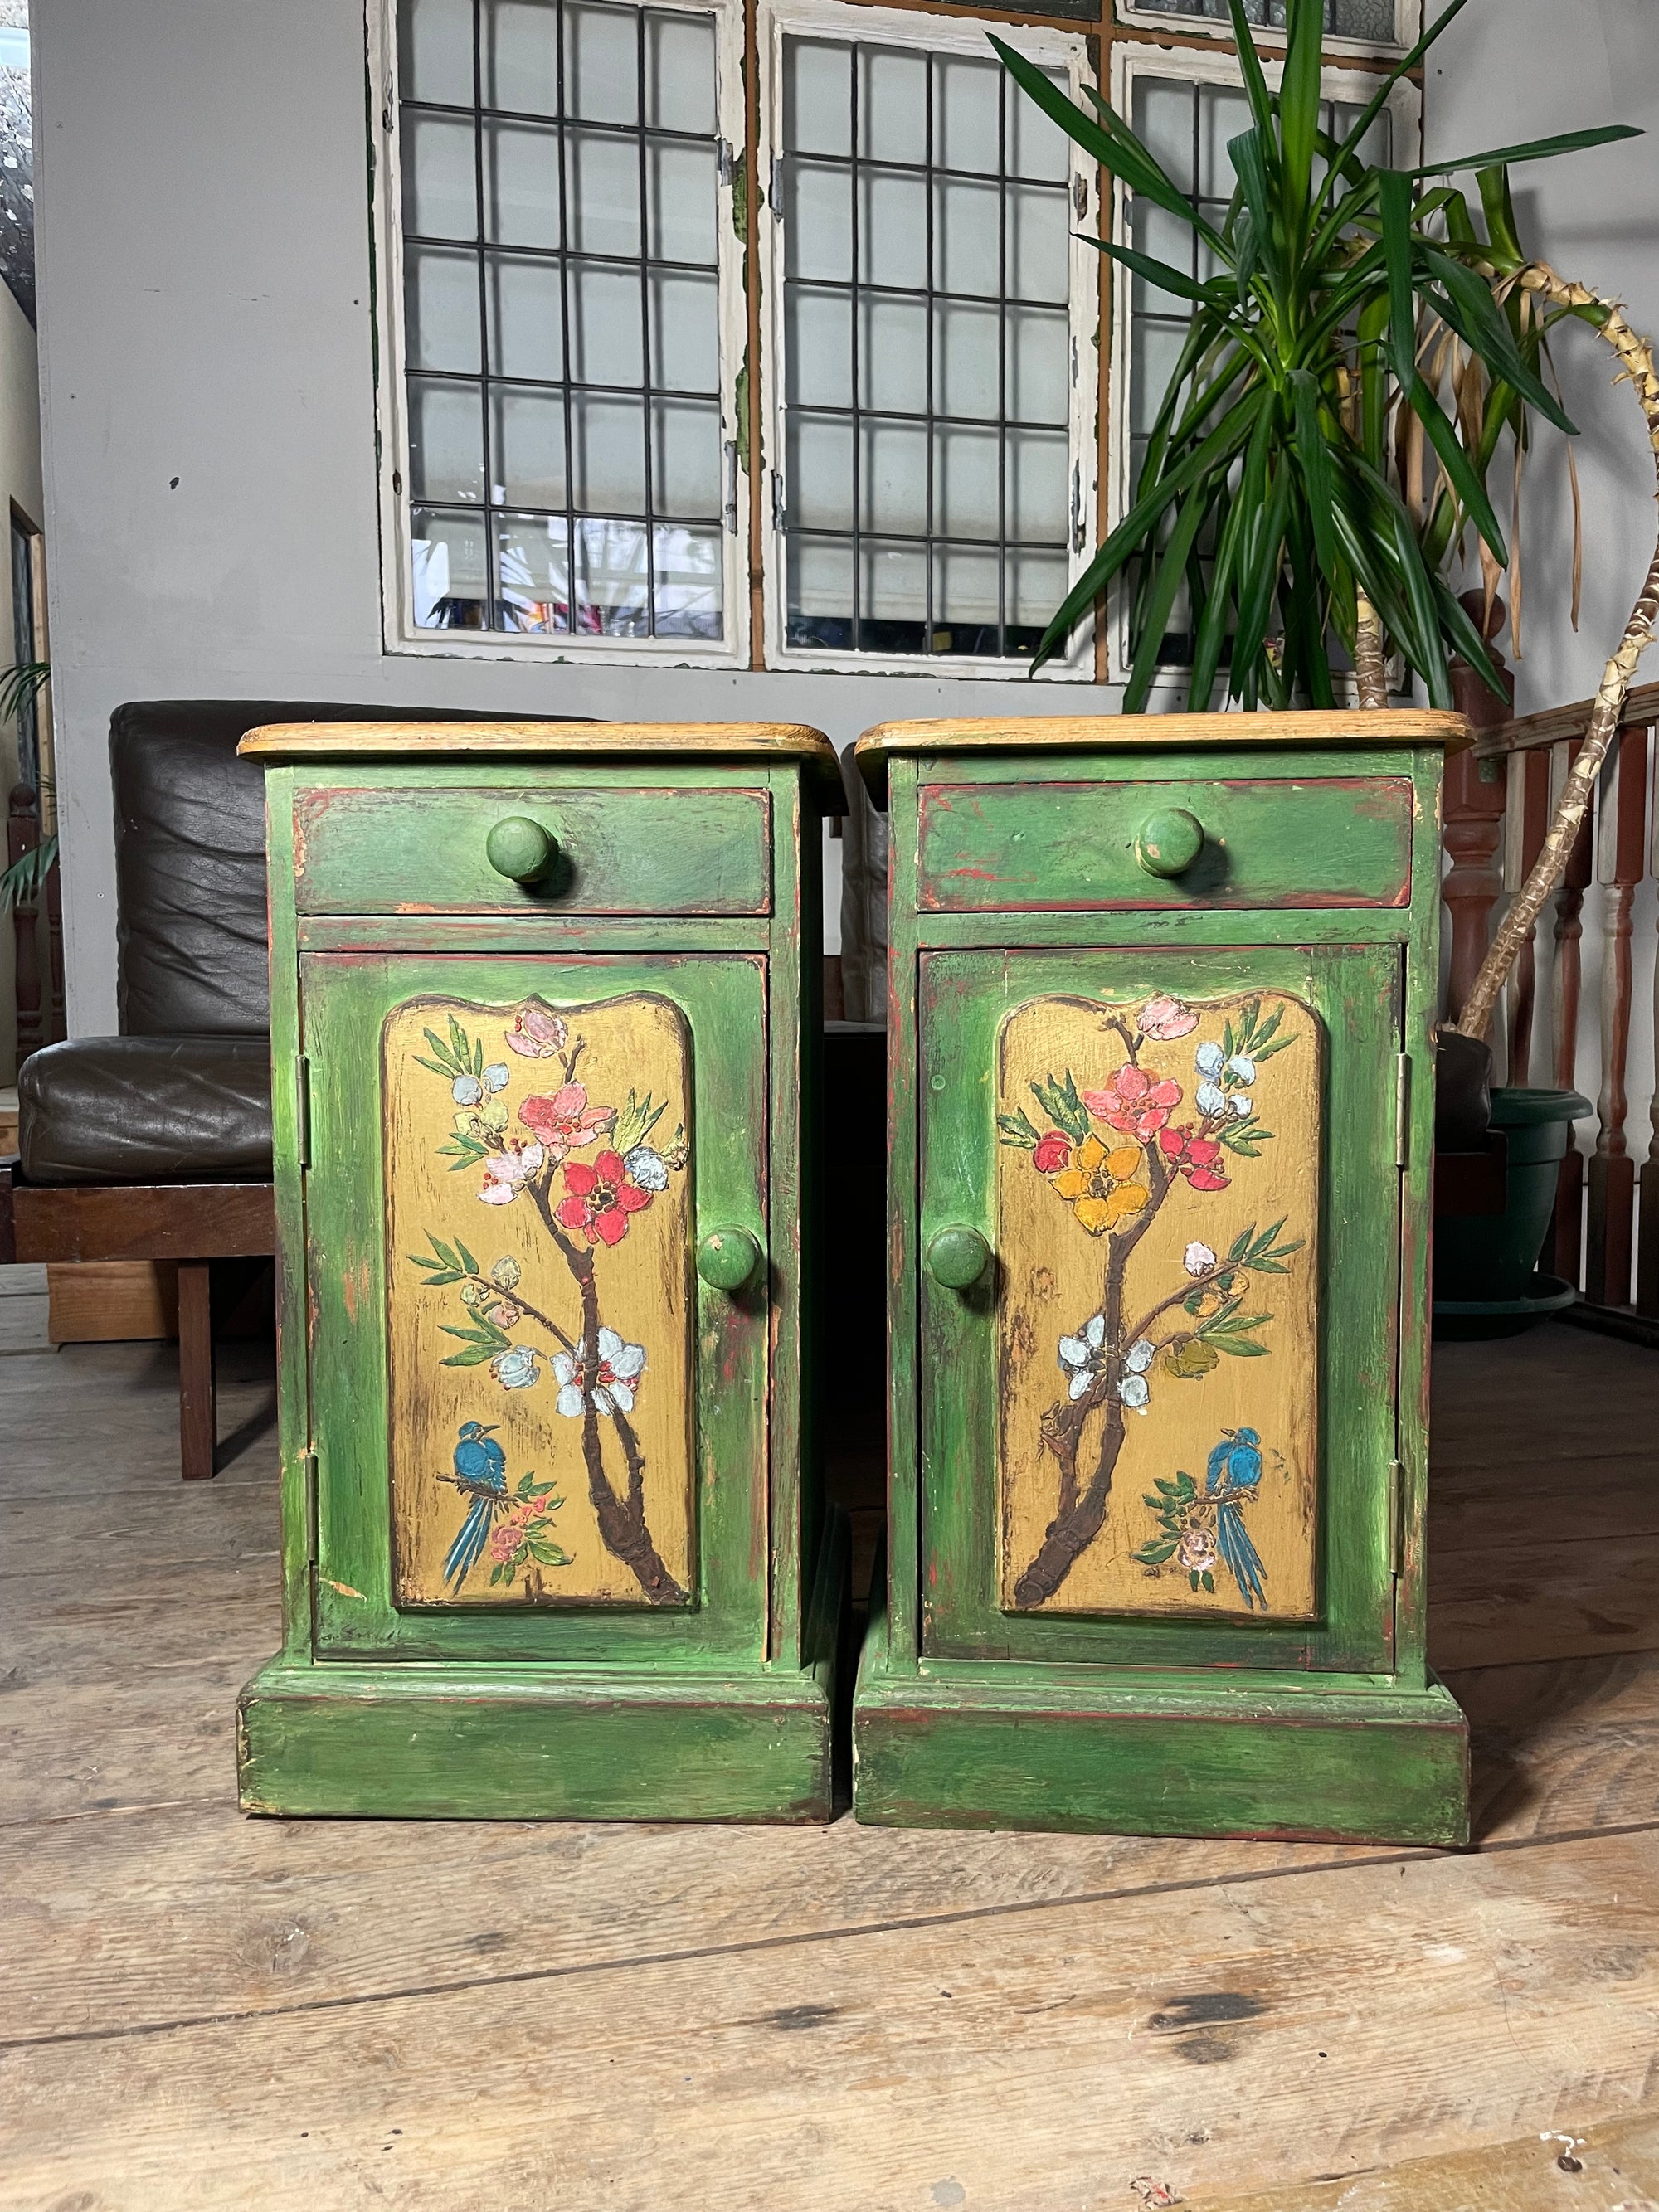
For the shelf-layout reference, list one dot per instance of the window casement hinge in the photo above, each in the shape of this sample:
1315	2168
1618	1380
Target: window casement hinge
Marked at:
303	1109
1080	196
726	160
1402	1110
309	1478
779	510
1396	1510
775	191
729	453
1077	532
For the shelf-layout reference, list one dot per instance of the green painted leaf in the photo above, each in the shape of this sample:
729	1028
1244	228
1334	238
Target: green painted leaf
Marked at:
474	1356
468	1262
1239	1347
1208	1580
1154	1555
1018	1128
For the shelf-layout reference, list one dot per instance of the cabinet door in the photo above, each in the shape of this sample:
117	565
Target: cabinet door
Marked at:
1159	1429
537	1433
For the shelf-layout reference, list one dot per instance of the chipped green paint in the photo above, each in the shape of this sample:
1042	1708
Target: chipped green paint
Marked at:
694	882
1016	880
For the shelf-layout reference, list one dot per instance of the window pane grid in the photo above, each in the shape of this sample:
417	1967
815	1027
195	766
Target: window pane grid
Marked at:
565	451
904	531
1371	20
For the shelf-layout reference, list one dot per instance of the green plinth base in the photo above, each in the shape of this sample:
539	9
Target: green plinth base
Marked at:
1334	1758
547	1743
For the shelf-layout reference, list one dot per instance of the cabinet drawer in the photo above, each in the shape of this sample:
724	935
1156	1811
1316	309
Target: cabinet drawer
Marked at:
1024	847
623	849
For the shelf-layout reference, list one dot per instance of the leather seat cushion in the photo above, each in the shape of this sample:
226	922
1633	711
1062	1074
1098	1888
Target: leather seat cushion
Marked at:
146	1110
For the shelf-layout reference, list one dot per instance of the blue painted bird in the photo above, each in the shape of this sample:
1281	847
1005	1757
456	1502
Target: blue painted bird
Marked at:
481	1472
1233	1474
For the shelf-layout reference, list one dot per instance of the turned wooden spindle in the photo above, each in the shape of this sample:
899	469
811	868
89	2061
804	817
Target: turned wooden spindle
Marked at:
1647	1203
1474	804
1623	858
1568	932
1527	825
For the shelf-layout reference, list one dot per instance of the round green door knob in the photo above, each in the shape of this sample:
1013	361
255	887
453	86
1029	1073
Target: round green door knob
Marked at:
728	1258
1168	842
521	849
958	1257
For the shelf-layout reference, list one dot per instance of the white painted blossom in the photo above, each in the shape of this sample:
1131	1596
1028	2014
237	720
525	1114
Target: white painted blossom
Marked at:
1209	1059
1198	1259
647	1167
467	1090
1211	1098
1081	1356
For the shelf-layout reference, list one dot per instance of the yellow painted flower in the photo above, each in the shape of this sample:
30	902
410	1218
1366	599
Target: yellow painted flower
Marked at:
1102	1187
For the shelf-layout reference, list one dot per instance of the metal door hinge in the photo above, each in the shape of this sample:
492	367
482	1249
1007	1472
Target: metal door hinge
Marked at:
1397	1514
308	1476
1402	1111
303	1109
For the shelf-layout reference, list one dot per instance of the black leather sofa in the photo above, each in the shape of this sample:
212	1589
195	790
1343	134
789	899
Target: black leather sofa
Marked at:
156	1143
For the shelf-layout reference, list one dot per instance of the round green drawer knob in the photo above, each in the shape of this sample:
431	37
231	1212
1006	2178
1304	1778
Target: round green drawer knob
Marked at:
728	1258
1168	842
958	1257
521	849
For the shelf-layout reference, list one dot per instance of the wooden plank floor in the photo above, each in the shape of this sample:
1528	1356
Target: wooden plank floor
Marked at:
197	2010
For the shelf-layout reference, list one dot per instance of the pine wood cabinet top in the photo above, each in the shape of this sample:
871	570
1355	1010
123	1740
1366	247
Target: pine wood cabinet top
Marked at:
1386	725
765	742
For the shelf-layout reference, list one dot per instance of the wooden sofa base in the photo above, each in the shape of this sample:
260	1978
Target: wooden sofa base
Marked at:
193	1224
1142	1754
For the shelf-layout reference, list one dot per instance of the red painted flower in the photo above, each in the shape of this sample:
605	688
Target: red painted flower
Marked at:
599	1199
1137	1101
1053	1153
565	1120
1196	1157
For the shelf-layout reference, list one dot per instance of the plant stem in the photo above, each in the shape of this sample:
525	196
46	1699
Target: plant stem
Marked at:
1370	662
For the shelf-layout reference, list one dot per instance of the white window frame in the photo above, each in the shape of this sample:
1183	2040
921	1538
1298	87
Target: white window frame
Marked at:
1407	18
1191	65
928	34
397	561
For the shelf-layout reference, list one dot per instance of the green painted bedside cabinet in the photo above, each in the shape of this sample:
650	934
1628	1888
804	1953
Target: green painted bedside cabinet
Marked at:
544	1014
1161	1130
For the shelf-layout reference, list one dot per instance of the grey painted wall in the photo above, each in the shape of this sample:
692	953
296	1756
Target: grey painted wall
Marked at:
208	409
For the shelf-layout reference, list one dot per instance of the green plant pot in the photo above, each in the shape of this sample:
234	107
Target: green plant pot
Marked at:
1486	1261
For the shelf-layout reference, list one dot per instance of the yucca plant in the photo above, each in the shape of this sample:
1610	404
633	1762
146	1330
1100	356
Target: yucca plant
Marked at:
1270	489
25	879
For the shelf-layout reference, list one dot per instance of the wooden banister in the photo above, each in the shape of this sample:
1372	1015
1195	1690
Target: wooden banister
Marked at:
1556	724
1622	863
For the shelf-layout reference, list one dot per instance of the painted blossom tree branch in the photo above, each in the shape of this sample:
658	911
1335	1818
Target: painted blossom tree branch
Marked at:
1635	355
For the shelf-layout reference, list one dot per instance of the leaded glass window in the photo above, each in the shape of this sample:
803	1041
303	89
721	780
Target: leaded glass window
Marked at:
1373	21
927	492
559	167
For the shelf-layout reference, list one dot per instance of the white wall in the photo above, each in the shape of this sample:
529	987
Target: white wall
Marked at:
19	481
1506	71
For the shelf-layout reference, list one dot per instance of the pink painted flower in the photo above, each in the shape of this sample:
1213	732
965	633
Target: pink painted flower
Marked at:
1166	1018
505	1173
1197	1549
565	1120
599	1199
1196	1157
1137	1101
1053	1153
537	1034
